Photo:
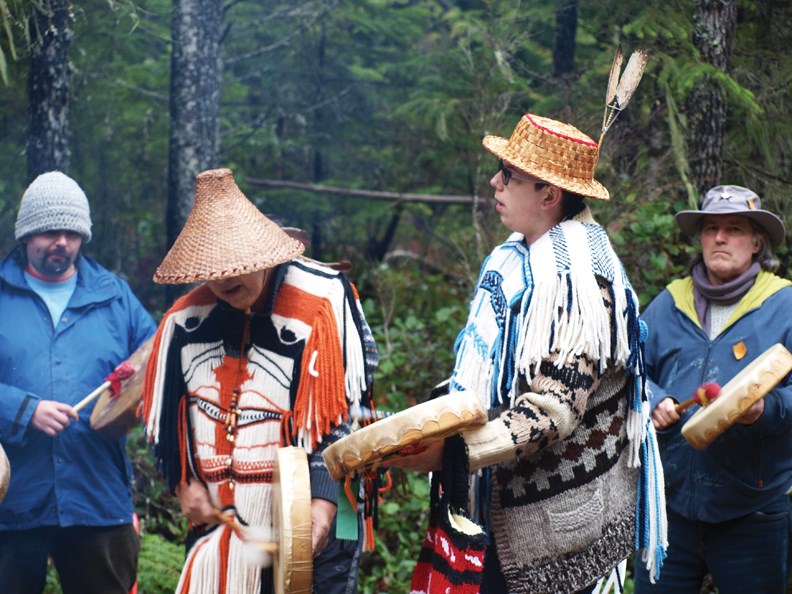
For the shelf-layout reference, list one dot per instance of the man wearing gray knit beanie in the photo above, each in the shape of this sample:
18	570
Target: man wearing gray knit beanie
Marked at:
54	201
66	323
54	204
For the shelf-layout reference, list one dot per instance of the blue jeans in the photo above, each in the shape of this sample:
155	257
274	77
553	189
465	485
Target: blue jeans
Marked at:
748	554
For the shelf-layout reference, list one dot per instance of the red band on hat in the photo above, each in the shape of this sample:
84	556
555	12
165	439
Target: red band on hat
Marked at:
554	133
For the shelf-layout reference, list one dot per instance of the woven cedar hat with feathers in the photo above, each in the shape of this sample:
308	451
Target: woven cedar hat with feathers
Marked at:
224	236
559	153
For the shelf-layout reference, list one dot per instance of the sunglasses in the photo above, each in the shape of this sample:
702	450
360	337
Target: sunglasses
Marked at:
507	174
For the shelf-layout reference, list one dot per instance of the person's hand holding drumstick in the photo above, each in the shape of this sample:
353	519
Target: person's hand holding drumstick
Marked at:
668	411
52	417
195	503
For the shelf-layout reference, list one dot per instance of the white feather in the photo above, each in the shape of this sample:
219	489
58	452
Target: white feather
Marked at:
613	79
631	77
622	87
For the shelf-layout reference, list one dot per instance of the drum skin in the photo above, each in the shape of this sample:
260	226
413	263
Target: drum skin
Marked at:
291	512
5	473
407	431
737	396
114	416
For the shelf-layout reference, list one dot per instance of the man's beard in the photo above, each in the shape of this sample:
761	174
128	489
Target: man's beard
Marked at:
56	266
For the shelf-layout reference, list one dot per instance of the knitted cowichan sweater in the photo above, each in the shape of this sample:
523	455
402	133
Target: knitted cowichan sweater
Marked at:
553	344
292	374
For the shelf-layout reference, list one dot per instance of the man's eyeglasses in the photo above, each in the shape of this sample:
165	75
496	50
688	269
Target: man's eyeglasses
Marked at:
507	174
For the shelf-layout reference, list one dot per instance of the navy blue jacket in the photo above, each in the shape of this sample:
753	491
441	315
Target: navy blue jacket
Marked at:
77	478
747	466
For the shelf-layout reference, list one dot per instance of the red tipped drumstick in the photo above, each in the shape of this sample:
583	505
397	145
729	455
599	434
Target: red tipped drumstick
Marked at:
704	395
122	371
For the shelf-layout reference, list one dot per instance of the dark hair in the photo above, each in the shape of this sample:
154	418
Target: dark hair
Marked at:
571	204
19	254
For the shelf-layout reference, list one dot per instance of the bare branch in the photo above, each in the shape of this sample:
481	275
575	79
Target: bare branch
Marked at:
369	194
424	263
141	91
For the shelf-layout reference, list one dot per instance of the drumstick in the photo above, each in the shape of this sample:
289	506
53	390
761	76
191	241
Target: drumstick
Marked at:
122	371
246	534
87	400
704	395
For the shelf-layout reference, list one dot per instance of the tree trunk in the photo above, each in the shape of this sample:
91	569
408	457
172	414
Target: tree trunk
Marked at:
564	46
713	36
196	71
49	89
317	235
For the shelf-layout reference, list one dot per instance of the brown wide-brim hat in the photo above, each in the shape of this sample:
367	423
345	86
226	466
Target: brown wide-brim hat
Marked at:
224	236
731	200
552	151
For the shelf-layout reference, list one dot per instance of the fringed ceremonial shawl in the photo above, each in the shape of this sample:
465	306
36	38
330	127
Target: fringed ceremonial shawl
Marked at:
539	311
225	389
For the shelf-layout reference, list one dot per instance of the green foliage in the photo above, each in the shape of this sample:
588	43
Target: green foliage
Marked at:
14	15
403	522
415	332
52	584
650	224
157	510
159	565
409	321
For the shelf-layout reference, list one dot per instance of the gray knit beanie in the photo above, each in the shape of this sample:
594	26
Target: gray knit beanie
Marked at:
54	201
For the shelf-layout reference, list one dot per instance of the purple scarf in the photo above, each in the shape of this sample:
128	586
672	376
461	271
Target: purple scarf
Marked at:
705	293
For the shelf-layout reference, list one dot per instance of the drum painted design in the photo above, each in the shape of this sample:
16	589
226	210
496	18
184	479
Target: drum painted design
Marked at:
737	396
407	431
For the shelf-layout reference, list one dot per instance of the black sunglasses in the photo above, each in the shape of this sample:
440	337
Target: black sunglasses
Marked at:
507	174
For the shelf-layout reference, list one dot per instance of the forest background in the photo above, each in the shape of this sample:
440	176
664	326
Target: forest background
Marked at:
360	121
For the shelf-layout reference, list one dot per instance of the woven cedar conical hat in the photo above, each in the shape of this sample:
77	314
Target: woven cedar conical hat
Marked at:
224	236
552	151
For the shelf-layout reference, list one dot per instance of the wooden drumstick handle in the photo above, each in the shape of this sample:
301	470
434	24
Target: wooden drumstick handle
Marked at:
705	394
243	533
92	396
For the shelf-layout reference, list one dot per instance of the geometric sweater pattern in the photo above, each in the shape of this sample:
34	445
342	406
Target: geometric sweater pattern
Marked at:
563	511
553	345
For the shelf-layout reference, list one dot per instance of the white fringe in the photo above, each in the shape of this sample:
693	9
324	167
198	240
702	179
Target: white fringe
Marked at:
178	317
614	582
658	525
566	305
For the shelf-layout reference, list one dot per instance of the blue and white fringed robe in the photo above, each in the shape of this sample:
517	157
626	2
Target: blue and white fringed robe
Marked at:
225	389
554	346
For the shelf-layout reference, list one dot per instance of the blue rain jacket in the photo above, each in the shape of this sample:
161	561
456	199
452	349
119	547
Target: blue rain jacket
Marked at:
747	466
78	478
